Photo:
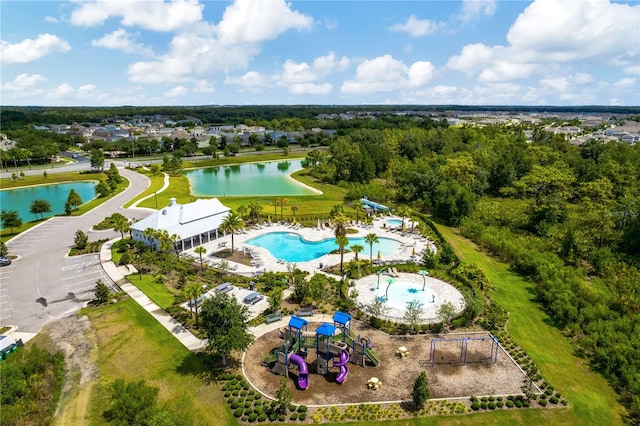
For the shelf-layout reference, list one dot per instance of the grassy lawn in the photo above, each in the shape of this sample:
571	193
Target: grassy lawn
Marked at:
156	184
132	345
593	401
154	291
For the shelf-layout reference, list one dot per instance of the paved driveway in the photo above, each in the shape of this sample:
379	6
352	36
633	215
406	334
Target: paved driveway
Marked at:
44	283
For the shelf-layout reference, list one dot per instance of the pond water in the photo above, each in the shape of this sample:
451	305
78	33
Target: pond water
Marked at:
20	199
261	179
292	247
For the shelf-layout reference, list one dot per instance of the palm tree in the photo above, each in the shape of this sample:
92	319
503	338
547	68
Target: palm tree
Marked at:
356	248
231	224
193	292
340	223
120	224
357	205
342	242
149	234
294	209
371	239
242	210
274	203
200	250
403	211
282	201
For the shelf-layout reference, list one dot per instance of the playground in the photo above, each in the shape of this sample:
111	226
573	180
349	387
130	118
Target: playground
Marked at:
325	364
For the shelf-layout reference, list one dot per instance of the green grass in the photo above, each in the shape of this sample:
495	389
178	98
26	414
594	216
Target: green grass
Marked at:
156	184
593	400
132	345
154	291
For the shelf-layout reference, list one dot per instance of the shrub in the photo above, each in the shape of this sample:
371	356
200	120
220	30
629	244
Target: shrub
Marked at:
543	402
475	406
238	412
258	396
253	417
234	405
292	408
294	416
553	400
492	405
558	395
543	396
563	402
302	409
483	405
262	417
500	404
549	391
526	403
282	417
302	416
519	403
510	403
485	399
474	399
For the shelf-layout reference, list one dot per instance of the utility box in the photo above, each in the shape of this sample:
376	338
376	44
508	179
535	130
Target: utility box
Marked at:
5	342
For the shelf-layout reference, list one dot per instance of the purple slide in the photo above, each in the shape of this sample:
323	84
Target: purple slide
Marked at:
303	370
344	370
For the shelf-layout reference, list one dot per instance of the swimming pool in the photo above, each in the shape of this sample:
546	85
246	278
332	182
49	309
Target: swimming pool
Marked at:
291	247
394	223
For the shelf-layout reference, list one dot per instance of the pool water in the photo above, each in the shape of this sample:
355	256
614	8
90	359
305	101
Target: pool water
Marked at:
394	223
263	179
291	247
402	292
20	199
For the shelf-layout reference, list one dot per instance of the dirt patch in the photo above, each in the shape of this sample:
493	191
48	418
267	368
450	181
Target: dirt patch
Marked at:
447	378
75	337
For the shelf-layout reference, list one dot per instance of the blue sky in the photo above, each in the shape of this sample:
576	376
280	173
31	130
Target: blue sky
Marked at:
200	52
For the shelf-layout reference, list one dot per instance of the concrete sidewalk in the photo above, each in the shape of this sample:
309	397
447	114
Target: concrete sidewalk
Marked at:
185	337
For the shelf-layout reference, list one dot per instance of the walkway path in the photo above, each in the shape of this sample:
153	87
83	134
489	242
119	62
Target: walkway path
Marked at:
185	337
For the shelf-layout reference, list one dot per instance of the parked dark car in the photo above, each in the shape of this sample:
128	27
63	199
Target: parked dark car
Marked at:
4	261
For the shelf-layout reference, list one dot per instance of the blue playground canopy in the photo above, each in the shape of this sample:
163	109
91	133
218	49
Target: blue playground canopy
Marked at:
326	329
297	322
341	318
373	205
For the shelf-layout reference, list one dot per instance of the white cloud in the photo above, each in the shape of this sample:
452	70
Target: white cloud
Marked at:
51	19
572	31
418	27
310	88
203	86
29	50
627	83
206	49
471	9
123	41
23	82
255	21
386	74
156	15
251	80
176	92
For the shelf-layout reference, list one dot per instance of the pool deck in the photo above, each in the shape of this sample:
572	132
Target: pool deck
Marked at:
263	259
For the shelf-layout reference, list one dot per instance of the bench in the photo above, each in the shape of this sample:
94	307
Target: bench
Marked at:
276	316
305	312
253	298
223	288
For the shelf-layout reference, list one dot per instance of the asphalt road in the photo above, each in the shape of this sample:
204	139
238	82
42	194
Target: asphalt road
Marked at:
44	284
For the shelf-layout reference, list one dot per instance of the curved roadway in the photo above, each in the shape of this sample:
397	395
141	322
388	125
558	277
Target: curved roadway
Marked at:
44	284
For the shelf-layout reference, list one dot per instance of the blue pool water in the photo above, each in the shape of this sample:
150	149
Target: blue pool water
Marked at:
402	291
263	179
20	199
292	247
394	223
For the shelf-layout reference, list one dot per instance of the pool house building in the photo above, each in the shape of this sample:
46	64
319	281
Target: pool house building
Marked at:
194	223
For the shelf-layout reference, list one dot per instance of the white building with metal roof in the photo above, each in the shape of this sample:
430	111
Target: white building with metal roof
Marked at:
194	223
